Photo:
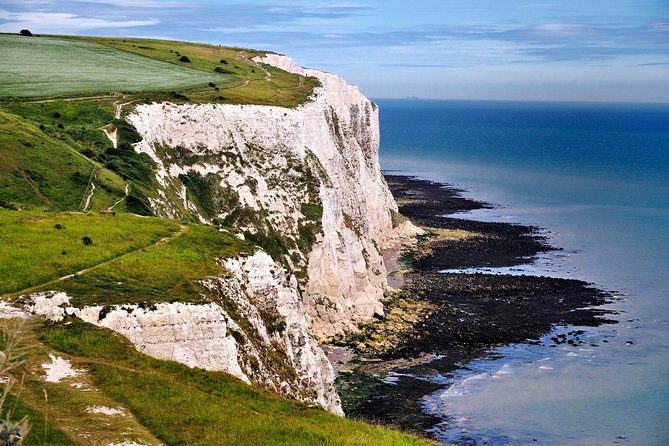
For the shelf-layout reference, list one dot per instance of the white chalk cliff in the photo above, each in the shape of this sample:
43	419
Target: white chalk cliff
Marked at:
305	180
255	328
261	152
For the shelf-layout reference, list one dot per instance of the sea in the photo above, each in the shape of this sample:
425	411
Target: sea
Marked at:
595	176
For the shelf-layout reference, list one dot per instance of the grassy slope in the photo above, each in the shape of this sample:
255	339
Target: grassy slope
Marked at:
166	272
39	170
247	82
44	66
66	66
131	259
182	406
40	253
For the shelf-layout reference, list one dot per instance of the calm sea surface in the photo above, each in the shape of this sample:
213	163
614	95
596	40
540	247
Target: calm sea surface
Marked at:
597	178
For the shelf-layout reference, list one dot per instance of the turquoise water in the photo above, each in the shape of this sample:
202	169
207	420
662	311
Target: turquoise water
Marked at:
597	178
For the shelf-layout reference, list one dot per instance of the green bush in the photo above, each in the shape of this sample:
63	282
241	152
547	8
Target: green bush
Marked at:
312	211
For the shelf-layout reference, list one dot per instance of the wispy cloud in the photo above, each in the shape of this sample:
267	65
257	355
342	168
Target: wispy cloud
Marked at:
54	22
477	35
419	65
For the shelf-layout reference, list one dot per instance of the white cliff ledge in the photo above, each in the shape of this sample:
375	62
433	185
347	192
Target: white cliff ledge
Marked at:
256	329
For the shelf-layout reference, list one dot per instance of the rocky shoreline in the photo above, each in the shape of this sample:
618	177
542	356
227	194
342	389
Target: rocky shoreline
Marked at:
441	321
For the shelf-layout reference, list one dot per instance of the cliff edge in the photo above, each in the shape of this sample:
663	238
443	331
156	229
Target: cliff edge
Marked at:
267	169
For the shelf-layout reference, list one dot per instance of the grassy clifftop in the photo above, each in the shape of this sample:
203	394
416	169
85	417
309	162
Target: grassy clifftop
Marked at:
143	69
65	153
162	402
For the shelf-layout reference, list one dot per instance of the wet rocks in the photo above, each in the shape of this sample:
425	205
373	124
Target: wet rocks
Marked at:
470	313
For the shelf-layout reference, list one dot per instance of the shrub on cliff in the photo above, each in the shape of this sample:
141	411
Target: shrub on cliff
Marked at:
184	59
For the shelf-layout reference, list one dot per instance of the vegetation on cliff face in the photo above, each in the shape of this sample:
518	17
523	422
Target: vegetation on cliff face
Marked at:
66	153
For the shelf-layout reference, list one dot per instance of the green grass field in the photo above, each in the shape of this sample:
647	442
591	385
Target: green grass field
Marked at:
44	246
178	405
45	66
247	82
166	272
42	171
144	69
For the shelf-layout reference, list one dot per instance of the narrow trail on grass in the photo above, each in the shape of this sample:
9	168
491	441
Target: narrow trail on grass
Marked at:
86	200
82	98
118	108
111	134
111	208
162	241
39	193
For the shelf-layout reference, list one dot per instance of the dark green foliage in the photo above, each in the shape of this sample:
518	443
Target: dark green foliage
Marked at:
212	85
26	32
126	132
270	241
242	216
137	203
237	336
87	241
176	95
223	71
88	153
104	312
307	236
79	178
56	115
129	164
208	194
224	62
6	205
274	322
312	211
58	226
252	184
184	59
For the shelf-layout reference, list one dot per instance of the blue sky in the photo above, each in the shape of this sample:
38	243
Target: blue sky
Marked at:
583	50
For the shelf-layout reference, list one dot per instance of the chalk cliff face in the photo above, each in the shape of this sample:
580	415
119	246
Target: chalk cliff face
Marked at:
302	183
262	165
255	328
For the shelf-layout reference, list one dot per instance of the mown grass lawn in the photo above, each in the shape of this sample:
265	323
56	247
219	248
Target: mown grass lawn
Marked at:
47	66
38	247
